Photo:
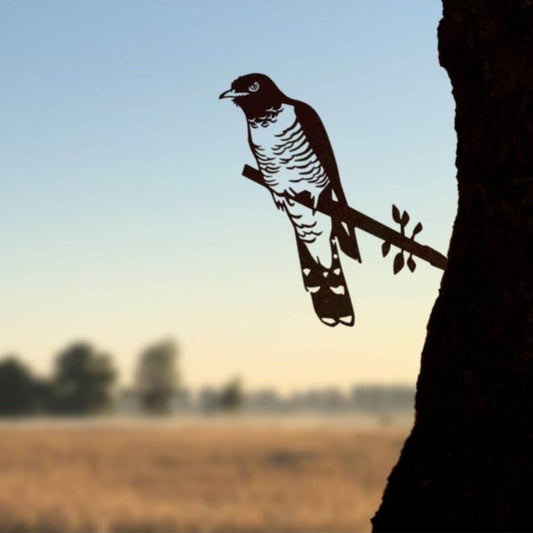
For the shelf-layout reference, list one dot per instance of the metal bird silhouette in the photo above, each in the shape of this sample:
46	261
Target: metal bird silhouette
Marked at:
295	157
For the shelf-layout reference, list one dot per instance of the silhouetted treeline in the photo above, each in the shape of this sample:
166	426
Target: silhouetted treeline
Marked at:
366	398
84	382
369	399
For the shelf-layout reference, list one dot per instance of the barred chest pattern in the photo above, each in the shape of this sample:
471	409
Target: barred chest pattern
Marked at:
286	160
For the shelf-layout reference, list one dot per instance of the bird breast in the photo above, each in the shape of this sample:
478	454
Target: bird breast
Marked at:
285	158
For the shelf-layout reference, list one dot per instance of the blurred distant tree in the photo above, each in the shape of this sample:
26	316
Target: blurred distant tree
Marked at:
83	381
20	392
157	376
231	397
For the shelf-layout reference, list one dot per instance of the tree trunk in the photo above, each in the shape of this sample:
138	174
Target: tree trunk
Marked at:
468	463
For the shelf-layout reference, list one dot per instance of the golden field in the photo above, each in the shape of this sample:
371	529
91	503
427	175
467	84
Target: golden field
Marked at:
223	477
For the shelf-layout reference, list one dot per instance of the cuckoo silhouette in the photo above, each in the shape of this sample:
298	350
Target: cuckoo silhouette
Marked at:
295	157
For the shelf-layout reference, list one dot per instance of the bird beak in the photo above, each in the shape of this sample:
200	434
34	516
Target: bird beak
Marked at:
231	94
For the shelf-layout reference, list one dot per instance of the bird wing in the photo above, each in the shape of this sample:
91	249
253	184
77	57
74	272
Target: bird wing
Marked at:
318	140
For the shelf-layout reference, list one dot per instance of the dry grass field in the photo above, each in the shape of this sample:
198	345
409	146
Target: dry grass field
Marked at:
219	477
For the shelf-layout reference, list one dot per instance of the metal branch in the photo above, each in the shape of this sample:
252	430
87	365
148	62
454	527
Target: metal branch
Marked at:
359	220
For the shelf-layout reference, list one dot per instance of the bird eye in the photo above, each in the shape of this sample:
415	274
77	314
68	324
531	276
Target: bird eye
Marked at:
254	87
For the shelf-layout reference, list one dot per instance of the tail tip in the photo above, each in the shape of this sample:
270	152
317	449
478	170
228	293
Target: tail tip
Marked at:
347	320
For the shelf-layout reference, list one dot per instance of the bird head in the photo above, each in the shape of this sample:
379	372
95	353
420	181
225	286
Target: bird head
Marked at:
254	93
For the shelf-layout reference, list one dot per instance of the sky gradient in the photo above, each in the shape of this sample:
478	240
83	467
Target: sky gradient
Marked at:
124	216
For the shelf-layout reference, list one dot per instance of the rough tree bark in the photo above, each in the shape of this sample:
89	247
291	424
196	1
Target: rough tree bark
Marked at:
468	463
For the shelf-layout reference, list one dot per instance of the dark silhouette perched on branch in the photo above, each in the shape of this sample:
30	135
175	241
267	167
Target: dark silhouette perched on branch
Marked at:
297	165
468	463
294	155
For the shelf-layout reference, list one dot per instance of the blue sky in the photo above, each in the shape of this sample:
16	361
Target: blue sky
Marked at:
124	216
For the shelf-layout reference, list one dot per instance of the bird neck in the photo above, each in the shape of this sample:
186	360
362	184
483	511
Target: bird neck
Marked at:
257	111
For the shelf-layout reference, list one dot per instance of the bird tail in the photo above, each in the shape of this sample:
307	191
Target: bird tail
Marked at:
347	239
327	286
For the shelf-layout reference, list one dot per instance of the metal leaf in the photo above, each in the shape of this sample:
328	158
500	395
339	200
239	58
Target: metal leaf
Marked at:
418	229
385	248
398	262
411	263
405	218
395	214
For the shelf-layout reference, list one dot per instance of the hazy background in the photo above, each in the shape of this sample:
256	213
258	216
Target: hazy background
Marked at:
134	250
124	217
